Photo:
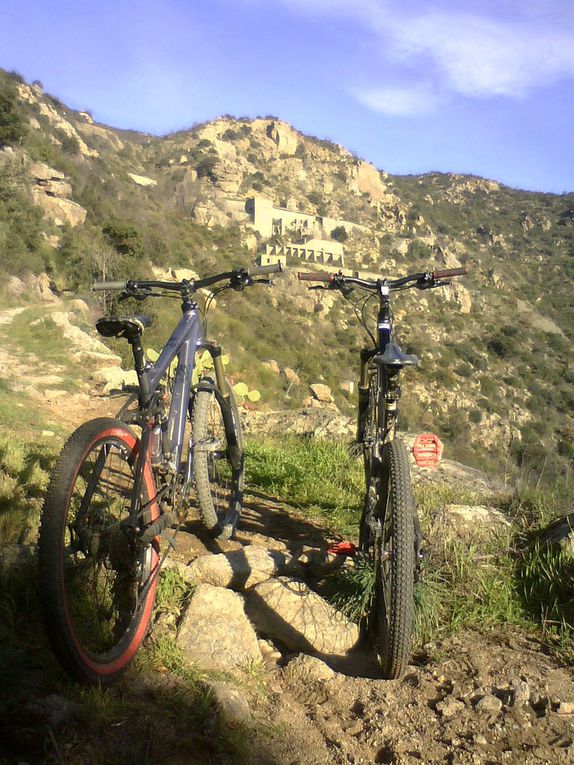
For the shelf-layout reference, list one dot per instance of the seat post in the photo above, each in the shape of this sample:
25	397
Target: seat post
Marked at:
134	340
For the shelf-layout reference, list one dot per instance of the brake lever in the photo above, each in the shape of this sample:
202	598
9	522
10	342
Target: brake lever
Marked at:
432	284
318	287
268	282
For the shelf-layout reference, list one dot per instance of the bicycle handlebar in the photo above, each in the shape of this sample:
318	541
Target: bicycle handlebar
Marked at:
449	272
316	276
96	286
421	280
243	274
272	268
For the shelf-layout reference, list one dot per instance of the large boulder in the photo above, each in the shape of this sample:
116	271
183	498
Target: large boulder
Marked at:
115	378
321	392
471	522
287	610
239	569
284	136
560	534
215	632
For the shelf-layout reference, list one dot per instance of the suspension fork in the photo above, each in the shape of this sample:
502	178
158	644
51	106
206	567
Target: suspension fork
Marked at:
224	392
384	336
363	392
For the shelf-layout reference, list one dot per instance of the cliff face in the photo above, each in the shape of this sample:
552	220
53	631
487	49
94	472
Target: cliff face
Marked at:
78	198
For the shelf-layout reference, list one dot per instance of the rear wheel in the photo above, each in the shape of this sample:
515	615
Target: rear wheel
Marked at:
218	459
388	537
97	582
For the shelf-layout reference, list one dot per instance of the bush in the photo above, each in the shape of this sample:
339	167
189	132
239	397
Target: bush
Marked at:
339	234
13	126
125	238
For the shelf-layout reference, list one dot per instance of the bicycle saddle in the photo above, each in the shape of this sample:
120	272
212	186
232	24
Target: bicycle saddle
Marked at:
122	326
394	357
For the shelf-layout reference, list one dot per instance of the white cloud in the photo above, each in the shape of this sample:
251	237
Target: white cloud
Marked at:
495	48
480	57
398	101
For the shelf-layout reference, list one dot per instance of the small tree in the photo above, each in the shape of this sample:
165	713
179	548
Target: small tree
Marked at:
339	234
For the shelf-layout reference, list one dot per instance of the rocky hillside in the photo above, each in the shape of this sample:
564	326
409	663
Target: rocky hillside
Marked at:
79	201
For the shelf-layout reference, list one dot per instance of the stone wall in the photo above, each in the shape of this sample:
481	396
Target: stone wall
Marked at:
270	221
314	251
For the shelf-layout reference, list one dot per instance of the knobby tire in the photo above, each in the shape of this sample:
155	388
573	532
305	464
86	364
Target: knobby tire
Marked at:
219	485
97	586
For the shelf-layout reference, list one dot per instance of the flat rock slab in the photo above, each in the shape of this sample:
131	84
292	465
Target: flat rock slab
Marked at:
286	609
240	569
472	521
215	632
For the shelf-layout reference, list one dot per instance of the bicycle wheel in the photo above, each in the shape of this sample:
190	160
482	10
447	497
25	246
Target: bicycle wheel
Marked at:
97	583
392	546
218	460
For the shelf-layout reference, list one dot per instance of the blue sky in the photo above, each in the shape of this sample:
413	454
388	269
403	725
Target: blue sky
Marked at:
481	86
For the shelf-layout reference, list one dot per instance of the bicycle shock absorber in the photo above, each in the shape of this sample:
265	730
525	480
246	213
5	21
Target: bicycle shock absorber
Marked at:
363	390
392	401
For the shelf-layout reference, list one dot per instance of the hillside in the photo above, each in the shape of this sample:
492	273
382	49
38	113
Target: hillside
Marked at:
81	201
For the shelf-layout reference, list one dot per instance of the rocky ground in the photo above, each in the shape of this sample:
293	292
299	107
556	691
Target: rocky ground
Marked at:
287	678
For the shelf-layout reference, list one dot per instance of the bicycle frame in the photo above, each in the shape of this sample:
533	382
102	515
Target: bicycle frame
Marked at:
388	392
182	344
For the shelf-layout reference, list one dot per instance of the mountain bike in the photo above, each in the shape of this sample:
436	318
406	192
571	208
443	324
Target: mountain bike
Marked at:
389	536
115	490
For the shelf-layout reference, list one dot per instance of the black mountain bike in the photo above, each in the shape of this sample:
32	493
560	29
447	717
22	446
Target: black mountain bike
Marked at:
389	530
114	490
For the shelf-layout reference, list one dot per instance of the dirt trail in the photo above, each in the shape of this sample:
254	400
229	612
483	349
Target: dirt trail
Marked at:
479	698
475	699
44	383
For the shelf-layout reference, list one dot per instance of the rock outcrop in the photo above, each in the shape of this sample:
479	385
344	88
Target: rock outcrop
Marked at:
50	191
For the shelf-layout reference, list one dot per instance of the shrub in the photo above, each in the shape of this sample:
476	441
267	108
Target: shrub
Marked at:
125	238
339	234
13	126
205	167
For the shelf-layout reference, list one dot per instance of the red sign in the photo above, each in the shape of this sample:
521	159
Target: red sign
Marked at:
427	450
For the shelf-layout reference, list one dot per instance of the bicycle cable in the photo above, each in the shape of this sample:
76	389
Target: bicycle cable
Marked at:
208	303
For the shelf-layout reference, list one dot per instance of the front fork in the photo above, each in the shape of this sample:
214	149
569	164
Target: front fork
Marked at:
364	392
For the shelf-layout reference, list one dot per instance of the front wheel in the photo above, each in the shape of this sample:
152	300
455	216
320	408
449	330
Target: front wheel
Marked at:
218	459
97	581
389	540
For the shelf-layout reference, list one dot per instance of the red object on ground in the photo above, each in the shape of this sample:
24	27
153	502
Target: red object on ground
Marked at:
342	548
427	450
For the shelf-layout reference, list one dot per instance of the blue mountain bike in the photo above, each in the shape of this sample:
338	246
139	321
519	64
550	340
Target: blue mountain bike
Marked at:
120	482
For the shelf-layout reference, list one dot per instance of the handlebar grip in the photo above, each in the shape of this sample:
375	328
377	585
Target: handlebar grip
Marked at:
96	286
315	276
449	272
272	268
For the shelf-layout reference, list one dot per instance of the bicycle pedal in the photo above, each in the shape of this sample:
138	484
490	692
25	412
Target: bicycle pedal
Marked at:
342	548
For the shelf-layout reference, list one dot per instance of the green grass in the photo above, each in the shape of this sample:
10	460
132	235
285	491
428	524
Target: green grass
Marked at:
32	332
479	582
24	476
318	476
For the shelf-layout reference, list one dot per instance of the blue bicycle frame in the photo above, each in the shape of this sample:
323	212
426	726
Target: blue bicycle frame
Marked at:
183	343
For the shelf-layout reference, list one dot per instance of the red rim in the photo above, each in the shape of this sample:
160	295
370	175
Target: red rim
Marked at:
101	668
